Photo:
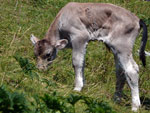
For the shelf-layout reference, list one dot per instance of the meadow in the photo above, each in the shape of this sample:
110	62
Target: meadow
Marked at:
24	88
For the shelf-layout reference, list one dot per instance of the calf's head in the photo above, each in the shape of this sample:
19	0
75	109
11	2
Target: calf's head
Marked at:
45	51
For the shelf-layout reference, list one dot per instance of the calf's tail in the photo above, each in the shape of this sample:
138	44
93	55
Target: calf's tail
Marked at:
143	42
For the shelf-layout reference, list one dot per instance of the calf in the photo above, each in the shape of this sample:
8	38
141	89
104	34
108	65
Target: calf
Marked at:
78	23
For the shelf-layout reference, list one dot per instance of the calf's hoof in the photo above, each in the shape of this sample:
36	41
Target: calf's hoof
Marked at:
77	89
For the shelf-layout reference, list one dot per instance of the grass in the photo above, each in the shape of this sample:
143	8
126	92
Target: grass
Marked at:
21	18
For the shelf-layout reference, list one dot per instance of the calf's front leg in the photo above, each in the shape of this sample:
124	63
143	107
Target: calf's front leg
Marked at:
78	64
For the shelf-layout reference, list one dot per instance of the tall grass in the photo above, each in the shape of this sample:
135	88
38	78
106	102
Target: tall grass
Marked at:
21	18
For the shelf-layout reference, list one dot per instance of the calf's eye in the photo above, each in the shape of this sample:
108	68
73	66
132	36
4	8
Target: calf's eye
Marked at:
47	55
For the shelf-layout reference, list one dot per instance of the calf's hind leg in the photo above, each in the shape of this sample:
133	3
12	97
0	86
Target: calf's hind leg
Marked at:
131	73
120	80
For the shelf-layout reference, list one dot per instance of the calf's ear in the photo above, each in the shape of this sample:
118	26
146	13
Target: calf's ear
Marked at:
33	39
60	44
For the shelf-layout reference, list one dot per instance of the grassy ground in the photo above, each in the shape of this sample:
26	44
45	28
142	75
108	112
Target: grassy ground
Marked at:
20	18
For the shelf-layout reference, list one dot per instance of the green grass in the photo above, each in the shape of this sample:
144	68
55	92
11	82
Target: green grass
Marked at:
21	18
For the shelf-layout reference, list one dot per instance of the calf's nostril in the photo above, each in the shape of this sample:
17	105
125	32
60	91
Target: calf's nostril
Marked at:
37	66
49	59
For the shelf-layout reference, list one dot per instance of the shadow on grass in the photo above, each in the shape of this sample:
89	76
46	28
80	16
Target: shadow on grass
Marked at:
125	100
145	101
